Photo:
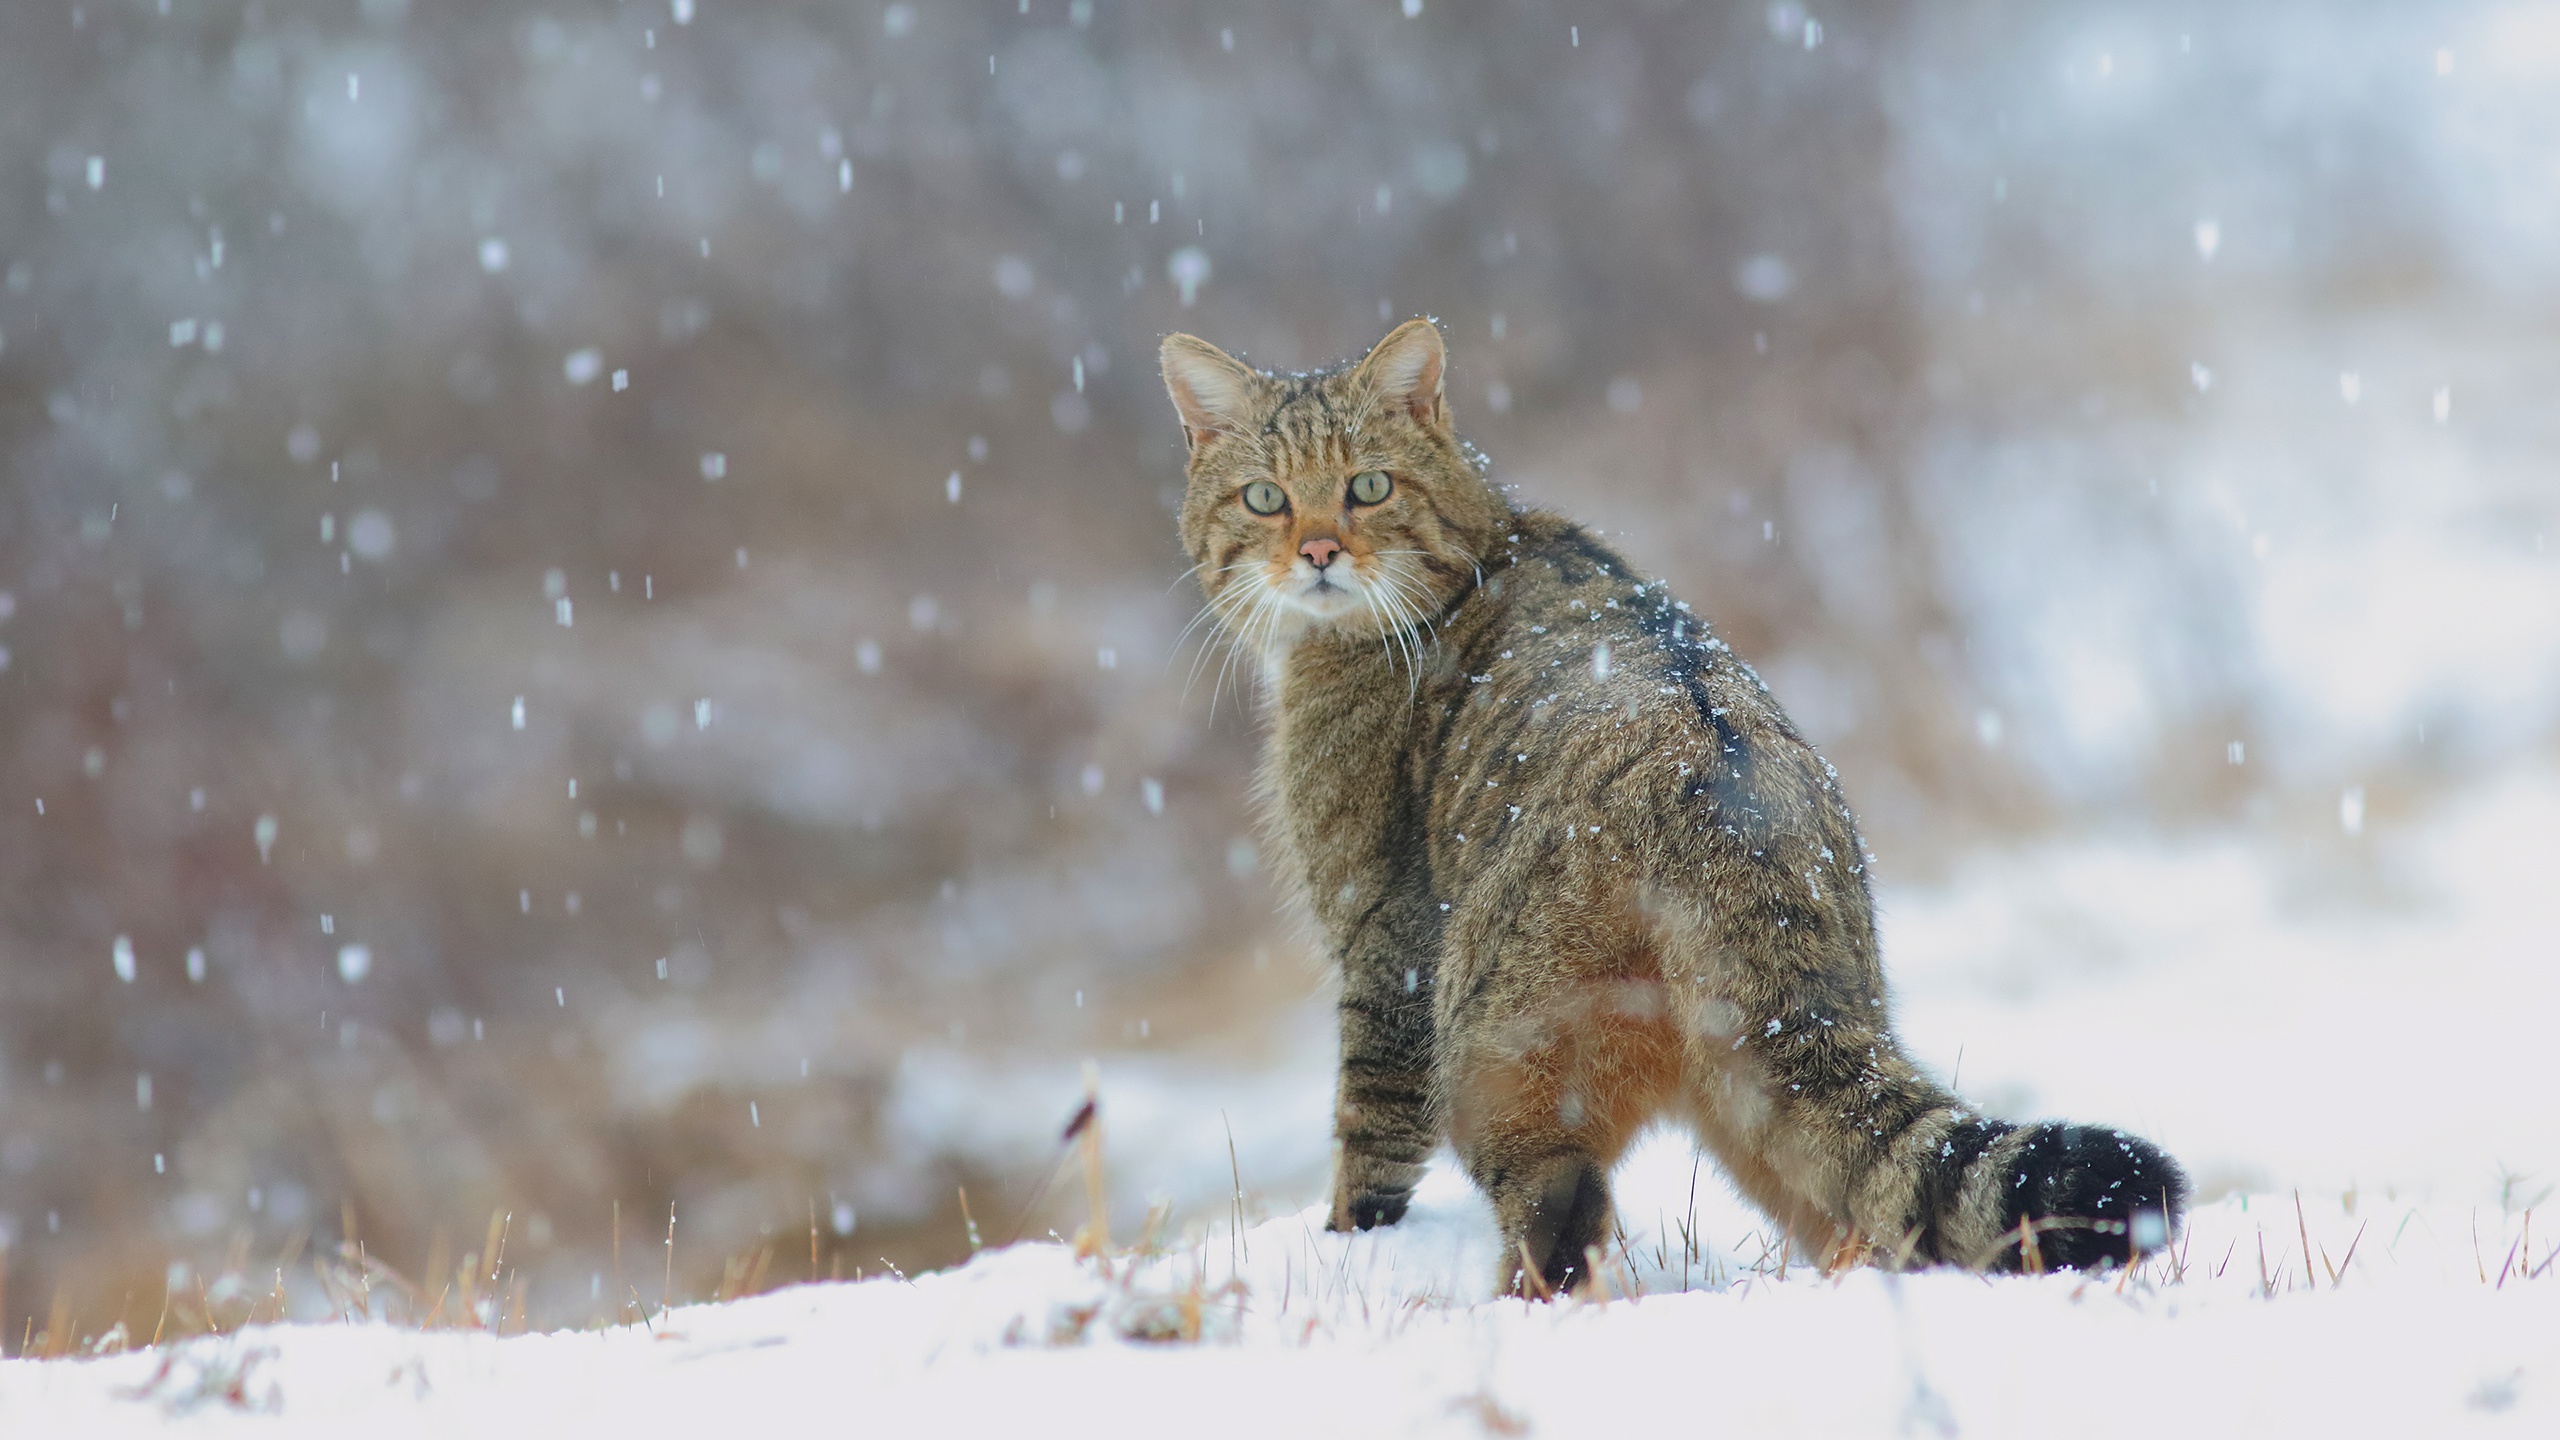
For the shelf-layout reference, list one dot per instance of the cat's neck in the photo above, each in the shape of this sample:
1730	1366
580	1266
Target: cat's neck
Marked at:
1331	668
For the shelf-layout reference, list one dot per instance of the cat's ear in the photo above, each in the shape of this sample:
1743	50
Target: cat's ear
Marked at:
1405	370
1212	389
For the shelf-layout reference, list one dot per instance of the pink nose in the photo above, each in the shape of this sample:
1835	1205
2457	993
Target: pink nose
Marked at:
1320	551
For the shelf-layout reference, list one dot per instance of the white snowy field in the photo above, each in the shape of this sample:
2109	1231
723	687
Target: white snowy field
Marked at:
2345	1036
1396	1334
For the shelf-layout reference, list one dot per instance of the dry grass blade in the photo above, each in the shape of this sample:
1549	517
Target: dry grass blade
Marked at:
2339	1274
294	1240
500	1223
1235	1174
1039	1192
1531	1283
2308	1274
1094	1241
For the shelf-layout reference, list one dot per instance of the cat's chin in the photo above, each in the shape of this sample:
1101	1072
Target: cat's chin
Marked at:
1308	613
1302	609
1326	601
1327	610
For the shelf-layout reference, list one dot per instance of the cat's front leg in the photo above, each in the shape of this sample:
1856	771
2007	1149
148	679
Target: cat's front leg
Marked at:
1383	1127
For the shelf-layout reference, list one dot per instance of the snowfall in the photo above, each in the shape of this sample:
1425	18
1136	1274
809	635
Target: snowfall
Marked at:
2343	1029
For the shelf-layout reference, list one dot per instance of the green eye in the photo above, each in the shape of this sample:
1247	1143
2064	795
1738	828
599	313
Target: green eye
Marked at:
1371	486
1264	498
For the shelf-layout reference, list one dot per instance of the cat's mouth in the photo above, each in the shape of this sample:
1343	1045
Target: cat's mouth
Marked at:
1324	593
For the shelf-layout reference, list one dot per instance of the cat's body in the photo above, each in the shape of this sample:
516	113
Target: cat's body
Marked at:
1577	868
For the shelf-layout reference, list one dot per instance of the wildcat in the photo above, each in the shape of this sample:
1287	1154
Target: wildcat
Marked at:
1576	867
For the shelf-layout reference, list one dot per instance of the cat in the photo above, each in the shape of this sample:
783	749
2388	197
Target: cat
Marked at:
1576	867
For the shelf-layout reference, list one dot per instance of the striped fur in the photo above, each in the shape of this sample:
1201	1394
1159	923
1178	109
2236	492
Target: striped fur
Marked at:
1577	868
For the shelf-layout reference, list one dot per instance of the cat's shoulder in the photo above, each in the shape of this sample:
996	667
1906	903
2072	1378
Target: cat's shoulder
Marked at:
1543	551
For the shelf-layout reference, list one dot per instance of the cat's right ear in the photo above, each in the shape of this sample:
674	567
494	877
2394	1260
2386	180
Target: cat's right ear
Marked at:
1211	388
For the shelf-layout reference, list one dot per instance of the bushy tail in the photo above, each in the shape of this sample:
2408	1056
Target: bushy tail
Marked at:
2048	1196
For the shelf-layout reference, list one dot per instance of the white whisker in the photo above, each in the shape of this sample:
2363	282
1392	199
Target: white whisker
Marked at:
1393	608
1219	606
1238	637
1245	644
1369	597
1207	609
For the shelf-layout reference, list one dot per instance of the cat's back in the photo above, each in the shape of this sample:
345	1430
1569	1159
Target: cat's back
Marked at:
1589	692
1571	638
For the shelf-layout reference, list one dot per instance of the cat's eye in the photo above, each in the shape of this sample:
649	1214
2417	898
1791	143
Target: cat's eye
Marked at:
1371	486
1264	498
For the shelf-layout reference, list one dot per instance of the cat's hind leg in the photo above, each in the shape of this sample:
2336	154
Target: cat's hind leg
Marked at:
1544	1095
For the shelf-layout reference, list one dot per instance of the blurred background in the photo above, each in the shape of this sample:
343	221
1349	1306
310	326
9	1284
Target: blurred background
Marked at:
588	597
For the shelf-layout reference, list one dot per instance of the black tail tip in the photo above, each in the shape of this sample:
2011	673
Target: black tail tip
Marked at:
2082	1196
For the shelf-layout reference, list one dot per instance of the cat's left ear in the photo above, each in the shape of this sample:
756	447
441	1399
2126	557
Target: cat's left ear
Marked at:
1213	390
1405	370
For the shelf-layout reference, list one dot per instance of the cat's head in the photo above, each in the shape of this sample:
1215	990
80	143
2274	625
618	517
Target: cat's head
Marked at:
1334	501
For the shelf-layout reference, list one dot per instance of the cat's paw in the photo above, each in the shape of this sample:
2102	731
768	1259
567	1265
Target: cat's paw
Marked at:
1368	1212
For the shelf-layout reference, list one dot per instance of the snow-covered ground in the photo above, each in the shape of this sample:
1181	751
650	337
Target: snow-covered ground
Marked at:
2344	1035
1295	1332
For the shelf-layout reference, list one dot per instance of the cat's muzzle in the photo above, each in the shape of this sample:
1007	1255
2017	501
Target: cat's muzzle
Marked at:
1328	593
